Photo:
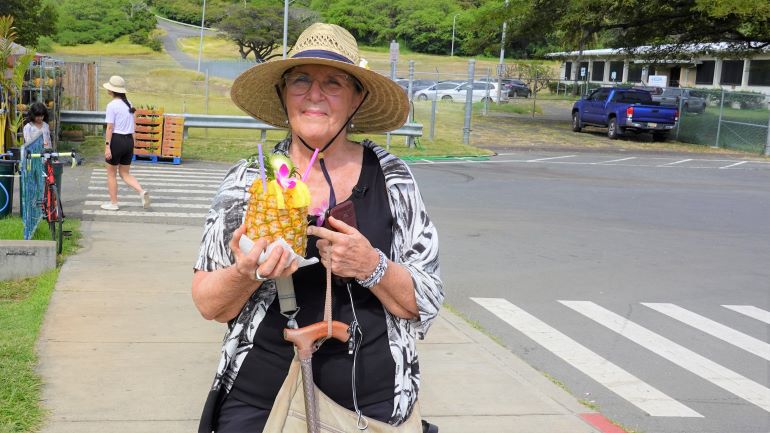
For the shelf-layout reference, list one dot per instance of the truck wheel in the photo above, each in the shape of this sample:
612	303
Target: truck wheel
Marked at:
659	136
613	130
576	126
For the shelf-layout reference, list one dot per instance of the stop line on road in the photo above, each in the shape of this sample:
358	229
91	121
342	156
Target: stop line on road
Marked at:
625	384
608	160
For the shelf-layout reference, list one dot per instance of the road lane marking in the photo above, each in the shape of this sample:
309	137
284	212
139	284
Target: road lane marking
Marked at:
675	163
614	160
210	192
154	204
609	375
213	185
101	212
551	158
709	370
166	169
751	311
103	176
715	329
734	165
159	197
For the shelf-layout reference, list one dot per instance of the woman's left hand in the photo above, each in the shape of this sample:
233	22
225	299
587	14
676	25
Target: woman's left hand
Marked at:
348	251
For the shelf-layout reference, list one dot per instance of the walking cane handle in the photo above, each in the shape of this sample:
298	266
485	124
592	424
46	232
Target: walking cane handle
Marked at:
304	338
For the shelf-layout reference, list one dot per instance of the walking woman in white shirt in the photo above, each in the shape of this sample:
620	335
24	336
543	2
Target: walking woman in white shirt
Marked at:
119	143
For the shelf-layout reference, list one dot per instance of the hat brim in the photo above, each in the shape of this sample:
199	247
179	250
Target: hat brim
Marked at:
112	88
386	107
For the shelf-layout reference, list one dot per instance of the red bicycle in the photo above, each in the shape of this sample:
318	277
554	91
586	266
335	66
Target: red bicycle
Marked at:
51	202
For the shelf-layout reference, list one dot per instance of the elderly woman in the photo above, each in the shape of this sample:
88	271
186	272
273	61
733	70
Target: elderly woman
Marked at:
388	264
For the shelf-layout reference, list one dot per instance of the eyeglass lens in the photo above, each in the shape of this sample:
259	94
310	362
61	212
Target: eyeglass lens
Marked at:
298	84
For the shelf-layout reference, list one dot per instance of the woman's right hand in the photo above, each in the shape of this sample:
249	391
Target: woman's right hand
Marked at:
278	264
107	153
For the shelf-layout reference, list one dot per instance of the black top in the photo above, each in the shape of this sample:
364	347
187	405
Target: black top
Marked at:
267	364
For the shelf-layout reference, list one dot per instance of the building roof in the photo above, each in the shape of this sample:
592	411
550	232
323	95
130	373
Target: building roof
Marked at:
704	48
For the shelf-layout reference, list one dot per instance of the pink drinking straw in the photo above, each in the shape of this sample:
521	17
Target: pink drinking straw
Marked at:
262	168
310	165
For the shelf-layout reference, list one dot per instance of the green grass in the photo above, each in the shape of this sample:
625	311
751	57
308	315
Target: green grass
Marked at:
119	47
214	48
23	303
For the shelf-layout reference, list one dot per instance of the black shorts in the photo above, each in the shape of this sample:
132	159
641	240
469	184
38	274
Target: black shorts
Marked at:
122	149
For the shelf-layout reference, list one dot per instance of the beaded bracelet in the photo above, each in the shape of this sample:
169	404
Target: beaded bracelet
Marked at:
378	273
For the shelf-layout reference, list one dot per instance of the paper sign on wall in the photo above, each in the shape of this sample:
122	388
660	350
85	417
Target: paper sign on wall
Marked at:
657	81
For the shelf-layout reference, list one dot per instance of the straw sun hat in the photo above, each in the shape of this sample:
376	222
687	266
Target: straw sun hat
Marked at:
116	84
384	109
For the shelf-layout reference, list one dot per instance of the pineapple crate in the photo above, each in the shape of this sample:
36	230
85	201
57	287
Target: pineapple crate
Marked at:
148	136
173	133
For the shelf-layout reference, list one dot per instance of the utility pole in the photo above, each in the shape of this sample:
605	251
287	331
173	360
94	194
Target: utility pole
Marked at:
500	67
200	47
286	25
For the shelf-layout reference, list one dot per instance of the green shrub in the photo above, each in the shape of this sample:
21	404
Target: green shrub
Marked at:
155	43
44	44
139	37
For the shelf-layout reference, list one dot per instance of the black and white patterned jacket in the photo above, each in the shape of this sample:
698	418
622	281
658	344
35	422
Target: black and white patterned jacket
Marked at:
414	246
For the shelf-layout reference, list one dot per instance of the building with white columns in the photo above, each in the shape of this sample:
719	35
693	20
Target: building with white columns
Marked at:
708	66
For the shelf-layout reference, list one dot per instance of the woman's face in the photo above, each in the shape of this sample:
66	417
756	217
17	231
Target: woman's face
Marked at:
322	110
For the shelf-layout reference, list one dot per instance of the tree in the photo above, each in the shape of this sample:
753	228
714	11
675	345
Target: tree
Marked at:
669	28
31	20
258	30
81	23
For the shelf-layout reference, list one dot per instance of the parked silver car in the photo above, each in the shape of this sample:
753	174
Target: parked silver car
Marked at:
452	91
690	100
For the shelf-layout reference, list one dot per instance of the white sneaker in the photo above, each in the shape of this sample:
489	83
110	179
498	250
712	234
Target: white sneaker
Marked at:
145	196
110	206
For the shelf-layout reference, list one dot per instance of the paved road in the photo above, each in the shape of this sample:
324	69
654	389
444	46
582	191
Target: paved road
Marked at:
637	280
221	68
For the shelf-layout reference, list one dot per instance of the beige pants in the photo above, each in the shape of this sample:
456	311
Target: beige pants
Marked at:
288	412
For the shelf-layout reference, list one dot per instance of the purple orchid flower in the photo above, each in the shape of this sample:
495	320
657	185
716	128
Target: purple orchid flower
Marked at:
283	179
320	212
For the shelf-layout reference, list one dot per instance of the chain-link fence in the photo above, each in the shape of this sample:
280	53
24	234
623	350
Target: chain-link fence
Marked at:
733	120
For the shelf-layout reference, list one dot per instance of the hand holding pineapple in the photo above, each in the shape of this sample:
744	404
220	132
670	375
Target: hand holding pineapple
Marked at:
279	263
277	207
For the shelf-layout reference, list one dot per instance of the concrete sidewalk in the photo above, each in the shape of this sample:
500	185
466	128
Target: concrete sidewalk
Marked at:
123	349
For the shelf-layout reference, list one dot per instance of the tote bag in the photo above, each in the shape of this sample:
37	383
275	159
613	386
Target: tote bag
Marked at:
288	412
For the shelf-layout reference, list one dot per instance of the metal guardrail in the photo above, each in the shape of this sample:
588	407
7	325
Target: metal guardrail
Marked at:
214	121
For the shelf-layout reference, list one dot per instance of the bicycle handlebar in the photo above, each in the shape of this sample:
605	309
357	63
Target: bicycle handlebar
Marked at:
46	154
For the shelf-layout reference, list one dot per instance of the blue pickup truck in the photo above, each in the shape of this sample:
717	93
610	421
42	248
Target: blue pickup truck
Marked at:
621	110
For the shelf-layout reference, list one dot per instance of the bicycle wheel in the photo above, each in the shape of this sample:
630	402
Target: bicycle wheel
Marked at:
55	217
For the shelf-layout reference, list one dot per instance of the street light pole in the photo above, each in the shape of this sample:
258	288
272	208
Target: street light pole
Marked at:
200	47
285	26
454	18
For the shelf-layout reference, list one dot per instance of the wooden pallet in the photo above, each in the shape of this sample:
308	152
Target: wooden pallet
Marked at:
158	159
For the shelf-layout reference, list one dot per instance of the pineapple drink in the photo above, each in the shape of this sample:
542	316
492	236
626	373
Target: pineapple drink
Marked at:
278	207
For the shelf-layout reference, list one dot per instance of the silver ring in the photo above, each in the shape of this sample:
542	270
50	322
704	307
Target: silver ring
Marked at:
257	276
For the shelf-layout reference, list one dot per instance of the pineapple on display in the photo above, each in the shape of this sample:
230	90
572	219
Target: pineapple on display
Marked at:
280	209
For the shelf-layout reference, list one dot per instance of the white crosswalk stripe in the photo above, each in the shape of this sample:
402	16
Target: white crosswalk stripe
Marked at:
699	365
718	330
597	363
751	311
176	193
621	382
